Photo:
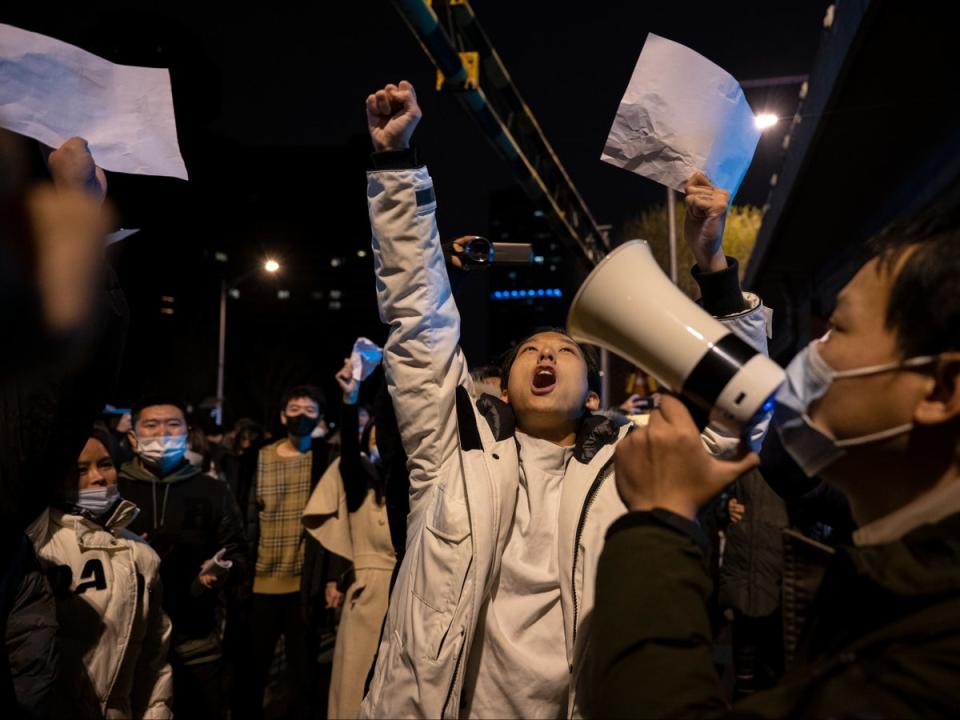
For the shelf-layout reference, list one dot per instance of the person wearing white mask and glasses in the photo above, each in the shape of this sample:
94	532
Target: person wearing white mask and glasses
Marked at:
113	631
188	518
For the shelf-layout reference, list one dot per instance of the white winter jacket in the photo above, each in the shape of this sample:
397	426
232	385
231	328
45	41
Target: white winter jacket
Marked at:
113	631
464	473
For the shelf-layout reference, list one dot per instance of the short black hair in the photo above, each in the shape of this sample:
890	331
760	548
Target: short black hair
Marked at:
154	399
486	372
594	382
304	391
924	303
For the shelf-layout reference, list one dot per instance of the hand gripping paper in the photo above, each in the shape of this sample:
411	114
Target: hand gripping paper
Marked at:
51	91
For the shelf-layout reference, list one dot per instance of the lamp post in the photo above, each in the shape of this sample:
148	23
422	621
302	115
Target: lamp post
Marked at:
271	266
672	232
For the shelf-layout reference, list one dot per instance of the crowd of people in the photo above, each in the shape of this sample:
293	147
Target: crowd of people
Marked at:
485	544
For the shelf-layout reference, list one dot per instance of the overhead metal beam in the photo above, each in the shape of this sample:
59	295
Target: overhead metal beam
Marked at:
505	119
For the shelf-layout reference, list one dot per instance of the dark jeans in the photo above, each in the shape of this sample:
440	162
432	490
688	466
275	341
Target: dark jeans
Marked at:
273	616
198	690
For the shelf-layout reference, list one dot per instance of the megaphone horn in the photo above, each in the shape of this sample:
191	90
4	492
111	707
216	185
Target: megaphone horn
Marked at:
629	306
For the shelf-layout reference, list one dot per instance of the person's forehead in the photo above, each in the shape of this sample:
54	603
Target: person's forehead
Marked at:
866	296
93	450
302	401
161	412
550	336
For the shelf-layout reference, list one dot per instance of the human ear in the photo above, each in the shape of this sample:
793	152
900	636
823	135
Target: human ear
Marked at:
283	418
941	402
504	396
592	402
132	437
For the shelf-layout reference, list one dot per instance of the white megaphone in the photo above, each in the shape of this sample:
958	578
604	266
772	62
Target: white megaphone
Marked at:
629	306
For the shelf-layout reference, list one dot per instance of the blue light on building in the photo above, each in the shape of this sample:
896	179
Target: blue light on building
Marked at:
526	293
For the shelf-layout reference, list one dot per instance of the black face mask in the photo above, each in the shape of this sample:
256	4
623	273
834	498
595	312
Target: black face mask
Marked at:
301	425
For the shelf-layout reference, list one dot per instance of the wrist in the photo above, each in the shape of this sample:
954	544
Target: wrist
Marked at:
686	510
392	146
711	262
664	519
683	507
395	159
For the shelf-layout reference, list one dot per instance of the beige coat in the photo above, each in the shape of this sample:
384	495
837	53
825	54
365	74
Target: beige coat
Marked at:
363	537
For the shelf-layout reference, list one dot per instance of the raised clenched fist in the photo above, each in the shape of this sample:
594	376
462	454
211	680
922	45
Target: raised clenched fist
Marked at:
392	116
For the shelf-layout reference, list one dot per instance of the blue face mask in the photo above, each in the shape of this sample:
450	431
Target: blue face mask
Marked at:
808	379
165	451
96	500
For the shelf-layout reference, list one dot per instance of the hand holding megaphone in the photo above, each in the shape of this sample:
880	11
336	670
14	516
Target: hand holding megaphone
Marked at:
664	464
627	305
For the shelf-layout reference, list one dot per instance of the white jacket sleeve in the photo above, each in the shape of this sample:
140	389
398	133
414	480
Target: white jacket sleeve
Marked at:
422	357
153	679
751	326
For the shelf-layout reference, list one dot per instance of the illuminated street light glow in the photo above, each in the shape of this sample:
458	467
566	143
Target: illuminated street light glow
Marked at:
765	121
271	266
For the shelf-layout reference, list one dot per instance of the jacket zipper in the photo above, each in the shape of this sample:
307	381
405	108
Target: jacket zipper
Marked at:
591	496
456	673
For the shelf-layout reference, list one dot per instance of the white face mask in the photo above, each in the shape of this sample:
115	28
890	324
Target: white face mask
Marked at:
96	499
165	451
808	379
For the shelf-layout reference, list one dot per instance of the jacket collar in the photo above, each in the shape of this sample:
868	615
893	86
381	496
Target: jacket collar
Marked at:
596	429
925	561
134	470
931	507
114	521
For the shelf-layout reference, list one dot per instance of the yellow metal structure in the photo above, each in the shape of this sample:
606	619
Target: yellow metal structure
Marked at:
471	63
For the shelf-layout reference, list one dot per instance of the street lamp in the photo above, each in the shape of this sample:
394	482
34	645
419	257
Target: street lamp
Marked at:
765	121
271	266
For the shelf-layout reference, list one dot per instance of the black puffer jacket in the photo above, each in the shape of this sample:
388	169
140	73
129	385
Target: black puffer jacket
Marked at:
30	636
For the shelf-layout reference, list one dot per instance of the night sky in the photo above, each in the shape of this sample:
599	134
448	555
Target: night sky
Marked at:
270	117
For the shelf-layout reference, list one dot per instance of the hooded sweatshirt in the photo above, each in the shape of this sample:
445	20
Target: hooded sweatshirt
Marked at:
186	517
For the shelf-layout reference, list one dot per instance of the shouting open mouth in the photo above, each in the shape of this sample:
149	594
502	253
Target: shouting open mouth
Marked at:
544	380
